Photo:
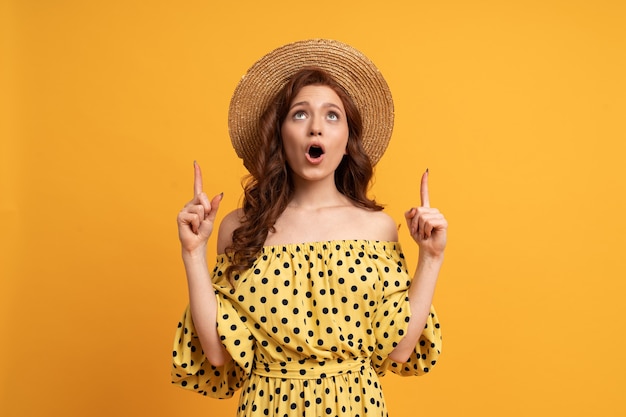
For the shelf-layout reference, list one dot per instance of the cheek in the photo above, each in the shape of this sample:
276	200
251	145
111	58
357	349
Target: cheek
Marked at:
289	147
287	138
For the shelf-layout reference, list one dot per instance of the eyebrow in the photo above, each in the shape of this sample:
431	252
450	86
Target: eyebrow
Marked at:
333	105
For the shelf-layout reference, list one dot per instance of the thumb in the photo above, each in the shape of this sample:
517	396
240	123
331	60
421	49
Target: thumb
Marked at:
409	214
215	205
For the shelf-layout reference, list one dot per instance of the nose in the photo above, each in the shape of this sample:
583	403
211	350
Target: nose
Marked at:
315	128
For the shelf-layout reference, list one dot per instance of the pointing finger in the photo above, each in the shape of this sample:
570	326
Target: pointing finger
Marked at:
424	190
197	179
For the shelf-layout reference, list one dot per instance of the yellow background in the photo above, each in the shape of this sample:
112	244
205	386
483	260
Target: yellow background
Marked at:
517	108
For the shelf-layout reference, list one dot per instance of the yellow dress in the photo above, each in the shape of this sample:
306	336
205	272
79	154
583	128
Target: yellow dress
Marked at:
309	327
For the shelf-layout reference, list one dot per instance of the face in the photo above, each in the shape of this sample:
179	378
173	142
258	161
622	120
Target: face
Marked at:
315	133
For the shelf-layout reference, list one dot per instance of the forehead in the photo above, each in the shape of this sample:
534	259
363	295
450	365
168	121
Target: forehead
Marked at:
318	94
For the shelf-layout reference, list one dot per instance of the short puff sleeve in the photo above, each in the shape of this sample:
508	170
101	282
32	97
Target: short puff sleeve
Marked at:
392	318
190	367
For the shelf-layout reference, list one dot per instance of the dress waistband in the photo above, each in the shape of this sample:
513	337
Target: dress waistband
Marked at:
309	368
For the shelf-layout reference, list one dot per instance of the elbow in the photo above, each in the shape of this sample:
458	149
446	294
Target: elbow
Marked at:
217	362
405	348
400	355
219	358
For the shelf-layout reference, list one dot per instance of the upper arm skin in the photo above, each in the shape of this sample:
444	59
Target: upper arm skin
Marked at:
228	225
385	228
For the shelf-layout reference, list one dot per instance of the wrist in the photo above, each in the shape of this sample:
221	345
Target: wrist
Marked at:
195	255
430	259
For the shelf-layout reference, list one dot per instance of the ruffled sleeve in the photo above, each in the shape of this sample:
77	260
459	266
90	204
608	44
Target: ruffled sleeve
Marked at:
191	369
392	318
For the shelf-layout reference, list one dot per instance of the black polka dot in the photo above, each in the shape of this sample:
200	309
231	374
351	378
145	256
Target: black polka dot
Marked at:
348	298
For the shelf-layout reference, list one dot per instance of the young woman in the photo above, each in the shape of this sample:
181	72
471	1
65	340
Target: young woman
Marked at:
309	300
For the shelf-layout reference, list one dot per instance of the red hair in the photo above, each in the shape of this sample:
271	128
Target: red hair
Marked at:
269	188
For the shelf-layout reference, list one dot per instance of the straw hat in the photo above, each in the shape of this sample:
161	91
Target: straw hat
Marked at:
353	70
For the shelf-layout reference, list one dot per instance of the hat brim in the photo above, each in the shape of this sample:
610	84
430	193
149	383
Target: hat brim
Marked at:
354	71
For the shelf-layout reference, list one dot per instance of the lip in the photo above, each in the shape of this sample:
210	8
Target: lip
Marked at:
319	159
315	161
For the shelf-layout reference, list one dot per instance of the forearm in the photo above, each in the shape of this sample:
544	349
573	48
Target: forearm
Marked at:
203	306
421	292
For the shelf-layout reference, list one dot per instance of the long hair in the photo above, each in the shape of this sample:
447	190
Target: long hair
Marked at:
269	188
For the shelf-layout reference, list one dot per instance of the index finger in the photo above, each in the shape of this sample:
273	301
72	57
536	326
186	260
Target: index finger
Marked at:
424	190
197	179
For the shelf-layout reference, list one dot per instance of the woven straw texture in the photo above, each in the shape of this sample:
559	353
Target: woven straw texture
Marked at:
353	70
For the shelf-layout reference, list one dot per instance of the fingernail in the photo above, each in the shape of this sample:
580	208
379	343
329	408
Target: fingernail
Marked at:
194	162
427	170
221	195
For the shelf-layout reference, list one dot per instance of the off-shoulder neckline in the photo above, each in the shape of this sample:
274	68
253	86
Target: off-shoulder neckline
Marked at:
335	242
330	243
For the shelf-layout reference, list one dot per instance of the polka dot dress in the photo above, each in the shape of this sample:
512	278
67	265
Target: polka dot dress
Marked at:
309	328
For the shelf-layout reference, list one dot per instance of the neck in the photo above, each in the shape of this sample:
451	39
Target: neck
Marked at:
318	194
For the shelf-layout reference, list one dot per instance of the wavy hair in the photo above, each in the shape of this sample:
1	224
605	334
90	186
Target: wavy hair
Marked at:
269	187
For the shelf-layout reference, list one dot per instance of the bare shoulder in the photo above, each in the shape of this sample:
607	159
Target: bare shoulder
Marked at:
379	225
228	225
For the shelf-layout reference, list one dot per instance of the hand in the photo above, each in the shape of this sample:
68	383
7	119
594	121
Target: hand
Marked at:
196	219
427	225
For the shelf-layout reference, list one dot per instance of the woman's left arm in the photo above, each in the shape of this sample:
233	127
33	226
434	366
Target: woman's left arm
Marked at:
428	228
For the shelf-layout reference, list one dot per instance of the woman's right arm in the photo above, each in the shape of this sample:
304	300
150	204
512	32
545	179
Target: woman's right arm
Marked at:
195	225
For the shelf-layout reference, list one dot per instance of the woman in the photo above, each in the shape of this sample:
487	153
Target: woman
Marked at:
310	299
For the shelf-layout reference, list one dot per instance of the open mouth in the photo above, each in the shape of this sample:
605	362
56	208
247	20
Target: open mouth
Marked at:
315	151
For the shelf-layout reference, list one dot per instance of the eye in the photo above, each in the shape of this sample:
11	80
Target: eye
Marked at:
333	116
299	115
